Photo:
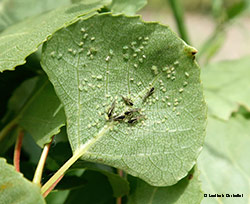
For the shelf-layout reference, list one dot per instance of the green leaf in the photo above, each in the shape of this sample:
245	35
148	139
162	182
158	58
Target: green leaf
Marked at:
13	11
9	81
24	38
57	197
44	115
129	7
14	188
71	182
236	9
188	190
226	86
119	185
38	110
224	162
106	57
97	190
17	101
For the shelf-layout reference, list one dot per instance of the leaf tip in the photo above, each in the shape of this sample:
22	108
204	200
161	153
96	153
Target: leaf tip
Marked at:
190	51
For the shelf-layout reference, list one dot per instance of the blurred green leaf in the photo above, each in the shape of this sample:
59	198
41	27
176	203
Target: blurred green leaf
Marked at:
187	190
22	39
71	182
226	86
236	9
16	103
96	191
13	11
43	116
224	161
119	185
96	67
38	111
9	82
129	7
14	188
212	46
57	197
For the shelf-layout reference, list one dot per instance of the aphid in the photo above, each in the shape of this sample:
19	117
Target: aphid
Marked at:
111	109
128	112
127	101
149	93
132	120
135	119
119	117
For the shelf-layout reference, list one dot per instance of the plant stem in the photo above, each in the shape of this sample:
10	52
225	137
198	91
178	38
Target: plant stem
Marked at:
77	154
53	180
17	151
179	18
119	199
53	186
39	169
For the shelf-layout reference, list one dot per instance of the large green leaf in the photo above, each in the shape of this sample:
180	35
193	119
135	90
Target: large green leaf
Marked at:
14	188
226	86
96	61
22	39
43	116
13	11
188	190
224	162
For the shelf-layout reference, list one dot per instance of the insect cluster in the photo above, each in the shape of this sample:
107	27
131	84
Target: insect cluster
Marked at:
132	115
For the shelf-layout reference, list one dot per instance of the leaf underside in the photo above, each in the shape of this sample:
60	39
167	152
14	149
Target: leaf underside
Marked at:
187	190
93	62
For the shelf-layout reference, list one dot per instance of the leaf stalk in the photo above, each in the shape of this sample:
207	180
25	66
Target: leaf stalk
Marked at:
39	170
17	151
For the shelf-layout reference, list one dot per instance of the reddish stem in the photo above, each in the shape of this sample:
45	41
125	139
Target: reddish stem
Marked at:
119	199
39	169
17	151
53	186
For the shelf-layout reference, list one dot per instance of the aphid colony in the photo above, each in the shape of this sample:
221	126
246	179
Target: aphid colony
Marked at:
131	115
